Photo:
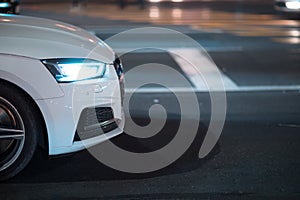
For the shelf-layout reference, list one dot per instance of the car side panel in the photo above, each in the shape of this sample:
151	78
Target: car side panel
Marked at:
30	75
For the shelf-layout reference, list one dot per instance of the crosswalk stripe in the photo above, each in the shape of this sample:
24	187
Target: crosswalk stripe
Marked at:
188	56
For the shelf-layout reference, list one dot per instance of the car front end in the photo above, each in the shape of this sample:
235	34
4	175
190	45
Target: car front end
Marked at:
74	78
90	111
9	6
288	6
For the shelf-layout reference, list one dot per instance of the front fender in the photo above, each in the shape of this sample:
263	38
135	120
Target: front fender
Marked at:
30	75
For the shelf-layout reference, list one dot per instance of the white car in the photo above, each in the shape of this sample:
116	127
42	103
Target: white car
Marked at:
60	87
289	6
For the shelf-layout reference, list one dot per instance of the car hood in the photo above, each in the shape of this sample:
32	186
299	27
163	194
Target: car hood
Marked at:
42	39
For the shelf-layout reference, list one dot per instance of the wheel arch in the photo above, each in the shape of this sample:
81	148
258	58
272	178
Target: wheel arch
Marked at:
43	138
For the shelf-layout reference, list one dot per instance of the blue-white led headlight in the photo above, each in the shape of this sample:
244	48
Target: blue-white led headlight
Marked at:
5	5
75	69
293	5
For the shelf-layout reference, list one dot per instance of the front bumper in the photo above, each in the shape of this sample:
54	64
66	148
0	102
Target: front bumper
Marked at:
64	115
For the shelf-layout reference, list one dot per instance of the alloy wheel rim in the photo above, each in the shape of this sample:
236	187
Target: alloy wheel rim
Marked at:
12	134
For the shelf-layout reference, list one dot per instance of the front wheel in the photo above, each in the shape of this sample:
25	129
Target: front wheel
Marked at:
19	128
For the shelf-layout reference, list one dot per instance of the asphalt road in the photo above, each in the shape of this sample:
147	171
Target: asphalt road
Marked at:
257	156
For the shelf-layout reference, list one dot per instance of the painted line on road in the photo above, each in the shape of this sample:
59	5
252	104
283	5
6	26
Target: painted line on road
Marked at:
201	69
263	88
121	50
269	88
160	90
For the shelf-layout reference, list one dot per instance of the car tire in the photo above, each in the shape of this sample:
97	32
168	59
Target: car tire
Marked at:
20	125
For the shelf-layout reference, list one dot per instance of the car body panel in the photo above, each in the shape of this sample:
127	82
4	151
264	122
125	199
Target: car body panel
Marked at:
43	39
12	70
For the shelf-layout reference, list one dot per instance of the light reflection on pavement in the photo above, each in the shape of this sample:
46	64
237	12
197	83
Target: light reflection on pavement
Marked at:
198	18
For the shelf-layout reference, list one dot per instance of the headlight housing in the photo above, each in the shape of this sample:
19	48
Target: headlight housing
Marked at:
293	5
74	69
5	5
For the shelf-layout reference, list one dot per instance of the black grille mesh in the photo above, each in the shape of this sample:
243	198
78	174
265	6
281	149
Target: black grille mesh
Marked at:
90	120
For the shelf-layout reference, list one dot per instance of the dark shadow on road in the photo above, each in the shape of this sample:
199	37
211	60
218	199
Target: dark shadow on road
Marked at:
82	166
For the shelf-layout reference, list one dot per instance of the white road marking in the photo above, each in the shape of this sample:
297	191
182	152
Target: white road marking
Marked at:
289	125
185	56
160	90
122	50
269	88
204	70
239	89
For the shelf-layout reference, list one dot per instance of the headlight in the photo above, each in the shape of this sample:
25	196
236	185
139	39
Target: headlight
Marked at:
74	69
4	5
293	5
